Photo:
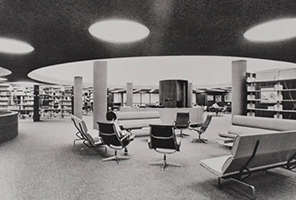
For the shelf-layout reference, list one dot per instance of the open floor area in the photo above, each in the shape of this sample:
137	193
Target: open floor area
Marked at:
43	163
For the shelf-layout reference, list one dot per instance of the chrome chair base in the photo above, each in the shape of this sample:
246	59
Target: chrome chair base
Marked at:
199	140
116	157
164	164
183	134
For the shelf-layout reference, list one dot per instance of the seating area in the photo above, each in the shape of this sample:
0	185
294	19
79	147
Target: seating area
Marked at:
64	169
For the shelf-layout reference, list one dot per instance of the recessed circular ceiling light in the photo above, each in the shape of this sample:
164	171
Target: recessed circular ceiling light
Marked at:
273	31
14	46
119	31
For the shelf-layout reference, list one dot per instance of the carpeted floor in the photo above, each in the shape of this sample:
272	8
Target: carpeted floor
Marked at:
42	163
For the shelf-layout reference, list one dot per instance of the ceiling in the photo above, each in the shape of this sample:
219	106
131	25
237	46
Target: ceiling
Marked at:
58	30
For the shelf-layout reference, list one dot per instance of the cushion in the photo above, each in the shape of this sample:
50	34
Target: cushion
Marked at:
137	115
138	123
264	123
243	130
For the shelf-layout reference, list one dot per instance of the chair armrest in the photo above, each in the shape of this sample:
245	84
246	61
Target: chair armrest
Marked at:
227	135
149	143
197	129
124	137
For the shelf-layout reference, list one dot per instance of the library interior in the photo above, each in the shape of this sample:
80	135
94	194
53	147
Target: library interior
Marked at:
160	99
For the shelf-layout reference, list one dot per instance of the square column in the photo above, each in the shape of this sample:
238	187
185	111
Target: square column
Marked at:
99	92
189	95
78	96
129	94
239	89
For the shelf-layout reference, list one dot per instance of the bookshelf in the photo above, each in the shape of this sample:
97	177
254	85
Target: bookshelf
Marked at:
272	93
53	100
5	96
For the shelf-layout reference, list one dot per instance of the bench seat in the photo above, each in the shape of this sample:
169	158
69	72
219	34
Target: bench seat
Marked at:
245	125
137	120
255	152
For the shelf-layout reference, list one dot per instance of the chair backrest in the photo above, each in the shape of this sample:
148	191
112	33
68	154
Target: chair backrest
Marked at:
76	122
85	133
274	149
82	128
182	119
107	132
206	123
163	136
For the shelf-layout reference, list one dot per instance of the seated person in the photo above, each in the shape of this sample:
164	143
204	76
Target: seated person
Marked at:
111	116
215	105
216	108
120	132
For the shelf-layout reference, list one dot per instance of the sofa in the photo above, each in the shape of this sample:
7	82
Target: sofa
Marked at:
245	125
256	151
135	120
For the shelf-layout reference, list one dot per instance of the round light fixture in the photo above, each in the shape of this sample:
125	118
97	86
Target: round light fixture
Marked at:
273	31
119	31
14	46
3	79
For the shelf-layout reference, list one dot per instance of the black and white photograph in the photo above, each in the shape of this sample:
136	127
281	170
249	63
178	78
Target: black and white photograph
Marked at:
147	99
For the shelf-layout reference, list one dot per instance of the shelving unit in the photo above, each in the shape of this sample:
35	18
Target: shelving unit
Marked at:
28	100
5	96
273	95
55	101
66	102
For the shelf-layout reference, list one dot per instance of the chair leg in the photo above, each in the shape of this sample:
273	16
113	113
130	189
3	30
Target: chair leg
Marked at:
164	163
183	134
125	151
248	185
115	157
78	139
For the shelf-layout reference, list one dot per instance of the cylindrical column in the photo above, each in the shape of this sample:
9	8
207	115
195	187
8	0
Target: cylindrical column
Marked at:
129	94
78	96
36	115
100	92
239	89
189	95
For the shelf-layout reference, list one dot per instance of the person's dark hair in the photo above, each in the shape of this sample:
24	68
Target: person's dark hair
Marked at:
111	116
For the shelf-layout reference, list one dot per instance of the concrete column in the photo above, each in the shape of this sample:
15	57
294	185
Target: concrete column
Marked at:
239	89
121	99
189	95
78	96
100	92
129	94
